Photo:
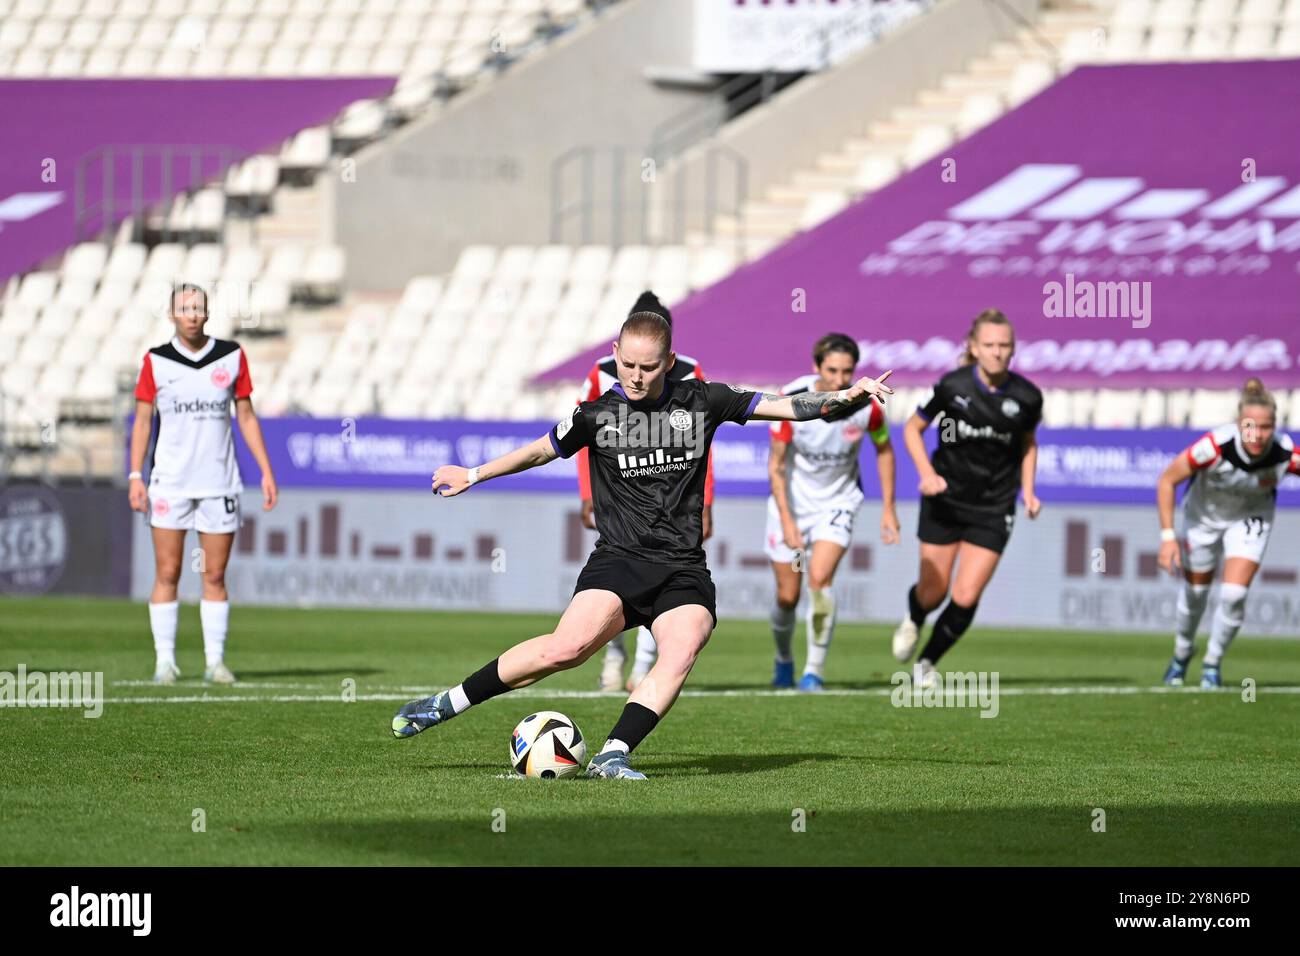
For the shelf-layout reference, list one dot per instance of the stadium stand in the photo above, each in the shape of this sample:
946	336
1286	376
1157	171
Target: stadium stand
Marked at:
261	239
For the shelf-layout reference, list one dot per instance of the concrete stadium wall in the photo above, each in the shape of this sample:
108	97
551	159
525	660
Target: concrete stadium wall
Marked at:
480	170
819	112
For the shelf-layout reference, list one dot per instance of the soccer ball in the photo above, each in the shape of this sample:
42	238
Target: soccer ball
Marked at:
548	745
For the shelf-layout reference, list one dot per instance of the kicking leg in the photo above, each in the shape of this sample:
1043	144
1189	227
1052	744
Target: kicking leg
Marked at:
591	620
681	634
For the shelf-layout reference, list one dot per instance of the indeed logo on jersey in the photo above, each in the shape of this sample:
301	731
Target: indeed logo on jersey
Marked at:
202	406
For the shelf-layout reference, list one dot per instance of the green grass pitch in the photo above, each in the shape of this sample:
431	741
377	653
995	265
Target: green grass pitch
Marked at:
286	772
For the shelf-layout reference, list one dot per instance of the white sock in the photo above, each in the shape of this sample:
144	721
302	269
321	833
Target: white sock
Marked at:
782	620
614	650
1191	605
646	651
162	621
1227	621
821	626
215	617
459	701
613	744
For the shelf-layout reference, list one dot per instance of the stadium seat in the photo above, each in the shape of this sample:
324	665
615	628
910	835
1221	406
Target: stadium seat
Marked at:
551	263
1058	408
85	260
286	264
631	265
74	293
1210	12
710	265
1288	41
323	273
37	289
475	263
1116	408
514	264
820	206
927	141
251	184
202	264
421	295
978	111
165	262
243	264
542	297
76	352
1211	42
1212	407
590	265
1255	12
462	294
1171	13
1168	43
125	262
875	171
1253	42
38	350
307	152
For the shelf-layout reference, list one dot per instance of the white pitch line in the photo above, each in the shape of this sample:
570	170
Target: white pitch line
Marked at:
585	694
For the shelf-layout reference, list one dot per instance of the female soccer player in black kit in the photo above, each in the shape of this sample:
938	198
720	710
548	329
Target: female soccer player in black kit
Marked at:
648	439
986	454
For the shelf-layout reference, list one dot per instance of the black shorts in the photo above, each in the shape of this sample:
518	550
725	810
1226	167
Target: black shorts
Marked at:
648	589
946	522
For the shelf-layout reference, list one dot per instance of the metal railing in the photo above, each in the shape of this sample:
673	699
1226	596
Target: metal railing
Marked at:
126	180
615	195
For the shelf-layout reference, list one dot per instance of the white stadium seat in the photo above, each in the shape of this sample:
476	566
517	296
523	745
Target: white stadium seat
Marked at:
710	265
476	263
421	294
37	289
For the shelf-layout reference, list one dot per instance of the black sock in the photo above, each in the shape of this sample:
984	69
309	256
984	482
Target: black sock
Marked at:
484	684
914	609
634	725
951	625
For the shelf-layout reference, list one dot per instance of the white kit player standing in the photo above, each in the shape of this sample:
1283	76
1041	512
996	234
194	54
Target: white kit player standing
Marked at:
811	509
190	383
1228	512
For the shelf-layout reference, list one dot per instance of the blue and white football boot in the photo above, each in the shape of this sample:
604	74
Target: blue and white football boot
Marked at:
1210	678
613	765
783	674
811	684
1176	674
420	715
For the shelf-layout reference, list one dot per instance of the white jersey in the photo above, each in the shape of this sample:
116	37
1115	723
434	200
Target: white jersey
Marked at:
1228	485
192	395
825	474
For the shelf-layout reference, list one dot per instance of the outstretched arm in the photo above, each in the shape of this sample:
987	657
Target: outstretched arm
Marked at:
806	406
451	480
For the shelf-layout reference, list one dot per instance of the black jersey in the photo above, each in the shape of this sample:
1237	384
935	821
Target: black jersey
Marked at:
980	452
648	462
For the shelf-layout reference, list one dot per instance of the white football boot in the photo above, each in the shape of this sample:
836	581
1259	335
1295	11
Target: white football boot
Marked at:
166	672
219	674
905	638
925	676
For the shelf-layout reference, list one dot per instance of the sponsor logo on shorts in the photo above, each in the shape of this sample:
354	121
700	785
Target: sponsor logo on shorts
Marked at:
161	507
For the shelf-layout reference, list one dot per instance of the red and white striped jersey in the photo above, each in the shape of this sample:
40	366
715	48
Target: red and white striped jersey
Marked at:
602	377
825	473
1227	484
192	395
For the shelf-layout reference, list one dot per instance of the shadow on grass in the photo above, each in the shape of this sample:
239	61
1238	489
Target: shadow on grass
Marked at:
244	673
649	833
684	765
881	681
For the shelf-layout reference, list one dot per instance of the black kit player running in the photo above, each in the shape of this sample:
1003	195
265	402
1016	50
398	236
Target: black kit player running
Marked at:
986	456
648	439
979	456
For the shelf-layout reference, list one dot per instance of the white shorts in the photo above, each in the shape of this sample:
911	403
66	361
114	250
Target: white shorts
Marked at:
832	524
1246	538
206	515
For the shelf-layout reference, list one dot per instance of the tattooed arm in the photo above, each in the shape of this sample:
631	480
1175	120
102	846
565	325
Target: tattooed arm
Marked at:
809	405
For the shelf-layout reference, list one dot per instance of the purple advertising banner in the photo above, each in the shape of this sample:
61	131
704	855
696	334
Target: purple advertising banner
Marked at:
1140	225
50	125
1074	464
